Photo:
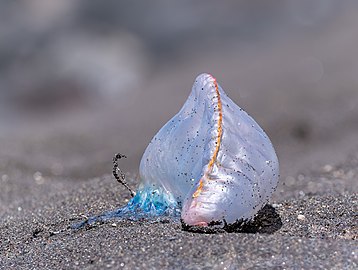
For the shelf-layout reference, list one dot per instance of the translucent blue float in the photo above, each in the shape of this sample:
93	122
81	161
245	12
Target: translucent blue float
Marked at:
210	162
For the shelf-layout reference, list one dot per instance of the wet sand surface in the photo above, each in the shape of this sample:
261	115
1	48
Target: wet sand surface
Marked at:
54	173
311	230
55	177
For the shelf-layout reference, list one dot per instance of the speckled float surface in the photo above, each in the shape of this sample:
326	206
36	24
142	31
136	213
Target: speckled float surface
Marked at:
210	163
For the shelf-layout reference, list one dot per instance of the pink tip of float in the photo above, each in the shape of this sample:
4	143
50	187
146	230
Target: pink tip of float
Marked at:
196	213
194	220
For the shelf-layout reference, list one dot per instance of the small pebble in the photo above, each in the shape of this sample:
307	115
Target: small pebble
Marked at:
38	178
4	177
301	217
327	168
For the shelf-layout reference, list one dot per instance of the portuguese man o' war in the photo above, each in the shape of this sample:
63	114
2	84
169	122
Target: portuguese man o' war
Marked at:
211	162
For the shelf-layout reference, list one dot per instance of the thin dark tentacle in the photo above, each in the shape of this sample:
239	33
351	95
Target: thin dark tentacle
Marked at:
121	178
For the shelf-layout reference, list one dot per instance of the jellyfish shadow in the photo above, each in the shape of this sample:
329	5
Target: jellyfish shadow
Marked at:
267	221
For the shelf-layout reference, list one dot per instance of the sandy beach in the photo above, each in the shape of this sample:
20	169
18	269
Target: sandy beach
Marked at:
313	230
81	81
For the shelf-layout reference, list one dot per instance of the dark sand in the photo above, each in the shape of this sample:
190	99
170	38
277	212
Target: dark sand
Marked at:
312	226
54	173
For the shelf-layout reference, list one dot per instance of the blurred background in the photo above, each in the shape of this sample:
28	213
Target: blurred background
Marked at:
81	80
